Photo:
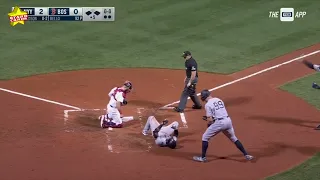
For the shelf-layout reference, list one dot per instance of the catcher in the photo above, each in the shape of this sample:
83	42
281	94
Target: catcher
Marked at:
314	67
113	117
165	136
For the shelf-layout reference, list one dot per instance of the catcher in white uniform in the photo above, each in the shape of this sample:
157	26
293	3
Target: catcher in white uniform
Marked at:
113	117
165	136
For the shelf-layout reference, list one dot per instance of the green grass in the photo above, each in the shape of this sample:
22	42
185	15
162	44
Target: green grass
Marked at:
309	170
224	35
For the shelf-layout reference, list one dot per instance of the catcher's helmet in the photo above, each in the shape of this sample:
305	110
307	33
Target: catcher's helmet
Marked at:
171	143
128	85
205	94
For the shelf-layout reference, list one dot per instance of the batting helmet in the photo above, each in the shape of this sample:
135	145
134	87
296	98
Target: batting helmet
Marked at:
205	94
171	143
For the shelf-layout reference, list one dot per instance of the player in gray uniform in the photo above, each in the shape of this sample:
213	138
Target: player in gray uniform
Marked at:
314	67
219	121
165	136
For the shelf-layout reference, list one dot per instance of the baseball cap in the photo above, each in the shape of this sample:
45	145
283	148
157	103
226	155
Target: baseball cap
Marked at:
186	53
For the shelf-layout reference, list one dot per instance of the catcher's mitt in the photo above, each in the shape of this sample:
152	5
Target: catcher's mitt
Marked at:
125	102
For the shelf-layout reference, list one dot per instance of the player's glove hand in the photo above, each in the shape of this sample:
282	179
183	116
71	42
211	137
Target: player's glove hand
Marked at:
209	123
204	118
165	122
125	102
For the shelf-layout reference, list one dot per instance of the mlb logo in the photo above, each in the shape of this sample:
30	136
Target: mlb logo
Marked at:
287	14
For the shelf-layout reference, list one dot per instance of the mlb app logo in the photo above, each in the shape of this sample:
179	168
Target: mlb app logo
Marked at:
287	14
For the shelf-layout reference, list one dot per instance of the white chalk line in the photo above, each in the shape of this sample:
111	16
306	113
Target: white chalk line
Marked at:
66	117
40	99
166	106
142	126
253	74
109	144
182	115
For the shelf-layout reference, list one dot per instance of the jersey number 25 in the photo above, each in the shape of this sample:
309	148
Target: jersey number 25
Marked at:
218	105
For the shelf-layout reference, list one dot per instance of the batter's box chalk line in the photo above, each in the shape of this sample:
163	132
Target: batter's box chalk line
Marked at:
66	114
74	108
109	144
142	126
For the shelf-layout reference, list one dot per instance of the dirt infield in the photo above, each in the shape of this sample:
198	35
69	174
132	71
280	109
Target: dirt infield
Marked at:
38	141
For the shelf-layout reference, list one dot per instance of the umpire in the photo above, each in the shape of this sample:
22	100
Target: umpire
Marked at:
190	83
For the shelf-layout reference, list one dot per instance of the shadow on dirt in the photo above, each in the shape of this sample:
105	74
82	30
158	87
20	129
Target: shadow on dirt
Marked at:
285	120
91	121
88	121
273	149
237	101
145	103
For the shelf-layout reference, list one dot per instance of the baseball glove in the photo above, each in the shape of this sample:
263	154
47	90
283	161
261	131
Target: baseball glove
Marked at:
125	102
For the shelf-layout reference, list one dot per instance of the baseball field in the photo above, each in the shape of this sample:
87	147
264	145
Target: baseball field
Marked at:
55	77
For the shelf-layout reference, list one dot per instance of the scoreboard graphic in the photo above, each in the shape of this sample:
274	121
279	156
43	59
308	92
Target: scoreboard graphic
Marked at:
69	13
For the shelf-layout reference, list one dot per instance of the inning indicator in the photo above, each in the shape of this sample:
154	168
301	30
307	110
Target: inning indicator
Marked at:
70	13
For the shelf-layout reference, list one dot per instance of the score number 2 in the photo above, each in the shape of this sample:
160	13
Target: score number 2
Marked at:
218	105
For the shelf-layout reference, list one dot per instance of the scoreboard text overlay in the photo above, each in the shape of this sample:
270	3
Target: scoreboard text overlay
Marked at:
69	13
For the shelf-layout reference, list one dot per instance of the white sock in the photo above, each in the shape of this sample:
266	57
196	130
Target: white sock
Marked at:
127	118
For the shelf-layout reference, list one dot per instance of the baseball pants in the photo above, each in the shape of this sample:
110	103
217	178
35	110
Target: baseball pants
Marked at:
189	92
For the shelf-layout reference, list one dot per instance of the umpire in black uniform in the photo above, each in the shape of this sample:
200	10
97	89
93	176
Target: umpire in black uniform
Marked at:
190	83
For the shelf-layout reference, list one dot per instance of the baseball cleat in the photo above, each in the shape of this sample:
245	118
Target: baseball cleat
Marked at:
144	133
318	128
199	158
196	107
177	109
315	86
248	157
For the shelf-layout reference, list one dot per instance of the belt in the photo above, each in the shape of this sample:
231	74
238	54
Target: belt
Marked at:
222	118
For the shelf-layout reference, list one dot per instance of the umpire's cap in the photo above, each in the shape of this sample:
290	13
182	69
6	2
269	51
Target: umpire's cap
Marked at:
204	94
186	53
